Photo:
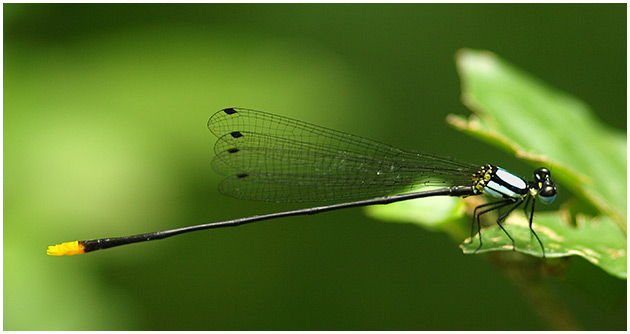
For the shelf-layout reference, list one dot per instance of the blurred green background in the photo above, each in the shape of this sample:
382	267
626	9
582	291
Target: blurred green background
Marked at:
105	110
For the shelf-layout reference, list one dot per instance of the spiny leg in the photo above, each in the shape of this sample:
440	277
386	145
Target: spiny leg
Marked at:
474	215
529	198
531	220
525	207
502	218
494	206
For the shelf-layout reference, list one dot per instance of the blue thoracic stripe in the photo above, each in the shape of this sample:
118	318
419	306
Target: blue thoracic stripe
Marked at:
506	185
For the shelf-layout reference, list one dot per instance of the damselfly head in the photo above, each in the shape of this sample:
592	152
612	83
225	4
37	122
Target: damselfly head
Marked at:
546	188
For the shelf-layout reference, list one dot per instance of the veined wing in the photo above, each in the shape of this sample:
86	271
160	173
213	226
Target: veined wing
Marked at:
273	158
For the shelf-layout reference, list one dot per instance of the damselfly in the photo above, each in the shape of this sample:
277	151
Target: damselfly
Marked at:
267	157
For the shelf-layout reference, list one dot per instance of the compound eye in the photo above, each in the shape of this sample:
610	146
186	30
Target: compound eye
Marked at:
541	174
547	194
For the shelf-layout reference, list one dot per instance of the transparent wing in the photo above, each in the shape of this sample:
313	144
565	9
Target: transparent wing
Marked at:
268	157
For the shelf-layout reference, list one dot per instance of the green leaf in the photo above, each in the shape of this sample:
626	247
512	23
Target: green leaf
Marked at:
538	123
547	127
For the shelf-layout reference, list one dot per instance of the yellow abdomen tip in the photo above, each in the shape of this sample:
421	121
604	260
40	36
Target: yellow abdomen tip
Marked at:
66	248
